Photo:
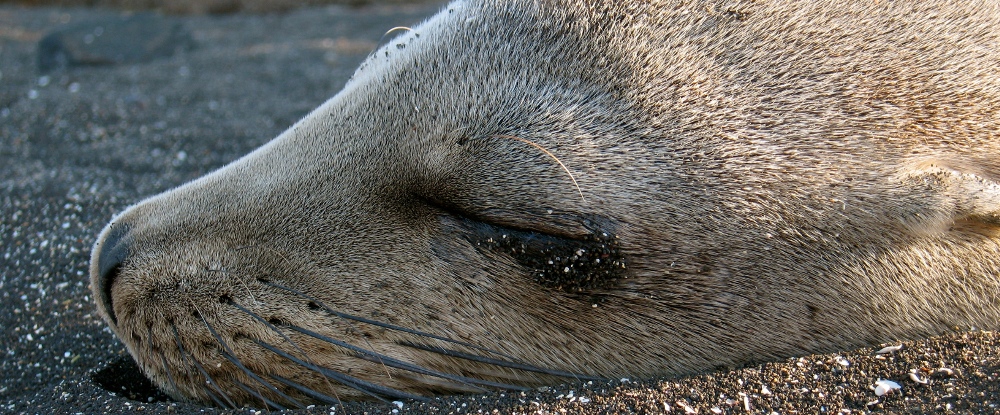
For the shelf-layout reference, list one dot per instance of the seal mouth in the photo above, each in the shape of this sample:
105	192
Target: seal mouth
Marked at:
448	381
238	352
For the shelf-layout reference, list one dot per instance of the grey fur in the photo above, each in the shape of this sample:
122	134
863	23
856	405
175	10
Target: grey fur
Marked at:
762	179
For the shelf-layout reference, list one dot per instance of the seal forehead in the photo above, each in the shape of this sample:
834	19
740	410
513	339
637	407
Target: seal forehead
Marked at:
407	45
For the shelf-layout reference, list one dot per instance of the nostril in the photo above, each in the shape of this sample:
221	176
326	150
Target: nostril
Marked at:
108	278
113	251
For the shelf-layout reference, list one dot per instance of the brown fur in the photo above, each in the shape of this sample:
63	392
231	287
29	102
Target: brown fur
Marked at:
760	180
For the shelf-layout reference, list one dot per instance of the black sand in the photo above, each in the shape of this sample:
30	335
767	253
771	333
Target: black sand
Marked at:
80	144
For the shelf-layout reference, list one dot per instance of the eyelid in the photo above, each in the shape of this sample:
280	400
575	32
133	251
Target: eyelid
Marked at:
563	225
547	221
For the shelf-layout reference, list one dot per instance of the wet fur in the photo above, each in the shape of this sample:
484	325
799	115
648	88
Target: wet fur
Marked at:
760	180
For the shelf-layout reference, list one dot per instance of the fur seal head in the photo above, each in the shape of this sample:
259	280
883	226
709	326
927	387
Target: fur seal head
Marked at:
517	192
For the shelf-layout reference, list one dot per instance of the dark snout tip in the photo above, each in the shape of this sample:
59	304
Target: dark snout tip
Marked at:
112	251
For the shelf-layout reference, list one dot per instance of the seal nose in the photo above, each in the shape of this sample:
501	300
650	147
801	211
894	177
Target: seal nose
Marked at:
111	252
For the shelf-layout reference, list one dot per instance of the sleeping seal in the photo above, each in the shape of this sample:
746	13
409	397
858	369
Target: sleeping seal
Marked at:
515	193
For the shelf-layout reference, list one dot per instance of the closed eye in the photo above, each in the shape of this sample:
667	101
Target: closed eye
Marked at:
565	253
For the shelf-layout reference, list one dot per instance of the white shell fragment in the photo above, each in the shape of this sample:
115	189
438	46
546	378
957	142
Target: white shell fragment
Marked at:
916	378
890	349
883	387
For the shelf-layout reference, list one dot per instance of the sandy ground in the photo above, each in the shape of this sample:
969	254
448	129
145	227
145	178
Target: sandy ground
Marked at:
78	145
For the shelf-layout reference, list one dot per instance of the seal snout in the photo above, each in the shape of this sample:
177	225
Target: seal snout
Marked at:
111	250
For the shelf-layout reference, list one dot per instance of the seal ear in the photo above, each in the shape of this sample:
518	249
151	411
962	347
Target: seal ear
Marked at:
967	192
